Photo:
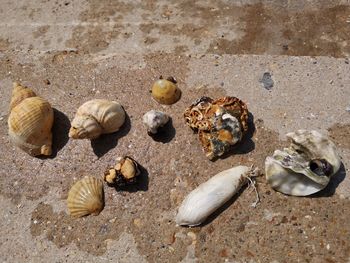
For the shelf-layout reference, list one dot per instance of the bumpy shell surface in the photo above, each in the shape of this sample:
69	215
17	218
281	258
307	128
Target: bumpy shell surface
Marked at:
165	91
212	194
97	117
154	120
305	167
86	197
220	123
125	172
30	122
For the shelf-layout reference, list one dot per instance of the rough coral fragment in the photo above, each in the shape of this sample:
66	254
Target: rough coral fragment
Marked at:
220	123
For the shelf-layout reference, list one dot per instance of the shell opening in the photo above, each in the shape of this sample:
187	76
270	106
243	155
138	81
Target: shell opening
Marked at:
321	167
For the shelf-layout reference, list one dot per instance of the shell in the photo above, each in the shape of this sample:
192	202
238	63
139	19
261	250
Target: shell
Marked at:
220	123
86	197
97	117
305	167
154	120
165	91
125	172
30	121
212	194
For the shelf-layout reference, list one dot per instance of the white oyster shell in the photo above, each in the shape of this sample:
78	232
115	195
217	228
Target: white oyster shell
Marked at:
305	167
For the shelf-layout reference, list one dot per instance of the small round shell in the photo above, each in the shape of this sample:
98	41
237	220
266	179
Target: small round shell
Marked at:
123	173
86	197
97	117
165	91
154	120
30	122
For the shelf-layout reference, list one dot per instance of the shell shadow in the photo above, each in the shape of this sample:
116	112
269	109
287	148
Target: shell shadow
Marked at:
246	145
141	185
165	134
333	184
106	142
60	130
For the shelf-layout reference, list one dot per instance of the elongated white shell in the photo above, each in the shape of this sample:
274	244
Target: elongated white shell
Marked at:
96	117
212	194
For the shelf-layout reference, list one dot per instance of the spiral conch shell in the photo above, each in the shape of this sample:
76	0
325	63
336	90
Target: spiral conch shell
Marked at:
86	197
305	167
212	194
30	121
97	117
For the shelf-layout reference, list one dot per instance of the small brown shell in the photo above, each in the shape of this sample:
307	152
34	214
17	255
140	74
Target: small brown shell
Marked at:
123	173
86	197
30	121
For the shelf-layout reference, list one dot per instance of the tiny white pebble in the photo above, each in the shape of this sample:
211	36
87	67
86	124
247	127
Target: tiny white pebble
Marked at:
35	222
328	246
70	228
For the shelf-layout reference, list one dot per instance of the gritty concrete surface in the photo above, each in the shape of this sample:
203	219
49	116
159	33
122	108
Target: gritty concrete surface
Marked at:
73	51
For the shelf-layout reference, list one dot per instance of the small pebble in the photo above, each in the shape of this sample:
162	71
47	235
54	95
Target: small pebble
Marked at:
267	81
70	228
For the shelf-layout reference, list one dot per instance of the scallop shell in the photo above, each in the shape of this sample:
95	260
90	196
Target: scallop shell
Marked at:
97	117
220	123
305	167
154	120
212	194
125	172
30	121
86	197
165	91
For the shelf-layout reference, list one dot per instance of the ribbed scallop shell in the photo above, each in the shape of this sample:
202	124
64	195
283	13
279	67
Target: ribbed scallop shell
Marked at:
30	122
96	117
86	197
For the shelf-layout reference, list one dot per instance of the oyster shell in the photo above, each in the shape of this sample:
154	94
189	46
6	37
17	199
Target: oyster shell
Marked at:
165	91
96	117
220	123
305	167
30	121
123	173
86	197
154	120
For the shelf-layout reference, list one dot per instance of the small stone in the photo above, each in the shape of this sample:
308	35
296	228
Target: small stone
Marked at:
138	222
35	222
112	220
348	109
192	235
267	81
47	82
